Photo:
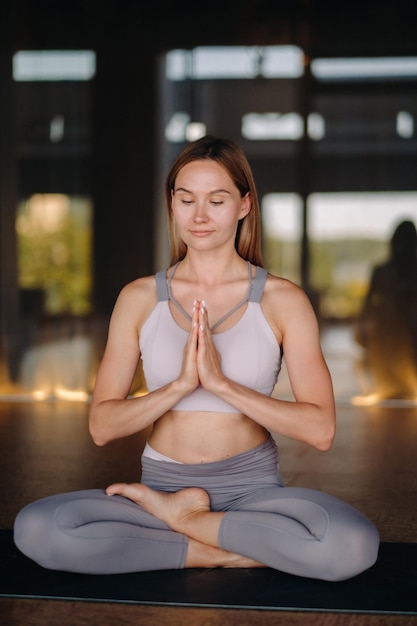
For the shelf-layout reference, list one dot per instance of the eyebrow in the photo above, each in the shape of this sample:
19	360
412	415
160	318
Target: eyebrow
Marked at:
210	192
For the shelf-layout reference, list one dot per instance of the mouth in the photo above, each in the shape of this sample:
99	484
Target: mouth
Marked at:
201	233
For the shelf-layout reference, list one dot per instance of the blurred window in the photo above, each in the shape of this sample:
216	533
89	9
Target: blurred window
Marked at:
281	222
53	65
349	234
54	234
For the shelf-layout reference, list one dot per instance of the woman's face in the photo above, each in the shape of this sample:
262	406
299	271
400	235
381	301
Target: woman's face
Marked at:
207	205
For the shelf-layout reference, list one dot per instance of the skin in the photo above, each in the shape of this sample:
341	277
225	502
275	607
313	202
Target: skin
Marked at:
208	282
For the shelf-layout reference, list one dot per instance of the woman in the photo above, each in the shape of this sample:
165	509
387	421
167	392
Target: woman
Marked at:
390	358
210	332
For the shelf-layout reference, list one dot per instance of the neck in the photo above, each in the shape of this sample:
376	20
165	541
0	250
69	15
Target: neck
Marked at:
212	268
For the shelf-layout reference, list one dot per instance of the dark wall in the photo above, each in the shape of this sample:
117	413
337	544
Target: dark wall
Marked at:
128	36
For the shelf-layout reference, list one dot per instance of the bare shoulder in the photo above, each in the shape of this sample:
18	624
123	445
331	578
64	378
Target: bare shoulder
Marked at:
284	290
285	303
139	288
137	299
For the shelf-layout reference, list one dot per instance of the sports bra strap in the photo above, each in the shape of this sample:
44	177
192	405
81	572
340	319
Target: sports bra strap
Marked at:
239	304
161	286
255	290
258	284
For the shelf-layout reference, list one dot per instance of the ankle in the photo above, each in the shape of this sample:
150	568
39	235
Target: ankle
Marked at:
202	555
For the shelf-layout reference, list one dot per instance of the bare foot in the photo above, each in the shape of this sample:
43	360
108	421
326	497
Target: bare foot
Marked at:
237	560
175	509
201	555
188	512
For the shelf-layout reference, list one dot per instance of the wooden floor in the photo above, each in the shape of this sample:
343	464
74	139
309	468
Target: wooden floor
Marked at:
45	448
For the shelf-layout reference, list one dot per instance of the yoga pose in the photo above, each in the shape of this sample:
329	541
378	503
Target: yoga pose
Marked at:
211	332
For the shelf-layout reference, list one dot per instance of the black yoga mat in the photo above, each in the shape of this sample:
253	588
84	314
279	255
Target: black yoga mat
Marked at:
390	586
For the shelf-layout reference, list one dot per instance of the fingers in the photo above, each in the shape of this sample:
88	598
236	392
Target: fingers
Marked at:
189	373
203	324
191	345
201	359
208	358
199	318
203	316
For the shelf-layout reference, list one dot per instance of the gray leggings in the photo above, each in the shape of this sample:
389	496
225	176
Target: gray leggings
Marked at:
295	530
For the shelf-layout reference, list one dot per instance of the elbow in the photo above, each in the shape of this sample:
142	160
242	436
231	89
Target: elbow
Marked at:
99	442
96	436
326	432
96	433
324	445
325	442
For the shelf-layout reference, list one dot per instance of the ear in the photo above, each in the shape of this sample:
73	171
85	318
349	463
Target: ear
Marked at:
246	205
172	196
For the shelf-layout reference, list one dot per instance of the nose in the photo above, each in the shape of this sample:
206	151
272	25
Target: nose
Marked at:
200	214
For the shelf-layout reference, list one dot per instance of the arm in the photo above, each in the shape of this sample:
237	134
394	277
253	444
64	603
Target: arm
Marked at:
311	418
112	413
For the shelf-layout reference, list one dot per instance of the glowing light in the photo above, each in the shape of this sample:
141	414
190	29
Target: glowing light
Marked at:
40	394
57	126
272	126
405	125
364	68
244	62
368	400
195	130
374	399
72	395
177	126
316	126
46	65
180	128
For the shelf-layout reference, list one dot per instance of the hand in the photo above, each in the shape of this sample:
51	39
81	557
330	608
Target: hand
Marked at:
189	373
208	359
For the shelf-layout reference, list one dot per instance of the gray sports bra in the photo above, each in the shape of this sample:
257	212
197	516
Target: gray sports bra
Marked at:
250	354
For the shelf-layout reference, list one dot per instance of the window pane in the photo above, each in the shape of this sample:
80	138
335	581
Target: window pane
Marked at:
281	221
54	252
42	65
349	235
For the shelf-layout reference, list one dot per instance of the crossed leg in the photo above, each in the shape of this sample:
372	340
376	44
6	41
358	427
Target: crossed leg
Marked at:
296	530
187	512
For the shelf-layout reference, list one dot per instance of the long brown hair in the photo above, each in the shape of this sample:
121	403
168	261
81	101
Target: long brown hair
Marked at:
230	156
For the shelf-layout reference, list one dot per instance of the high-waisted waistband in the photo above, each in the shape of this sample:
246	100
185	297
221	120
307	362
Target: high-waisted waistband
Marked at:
230	478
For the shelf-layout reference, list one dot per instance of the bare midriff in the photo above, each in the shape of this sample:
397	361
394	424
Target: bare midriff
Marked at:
205	436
